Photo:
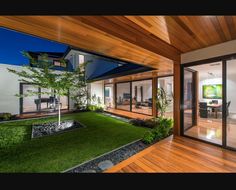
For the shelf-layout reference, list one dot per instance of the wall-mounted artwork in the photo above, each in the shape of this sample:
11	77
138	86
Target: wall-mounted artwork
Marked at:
212	91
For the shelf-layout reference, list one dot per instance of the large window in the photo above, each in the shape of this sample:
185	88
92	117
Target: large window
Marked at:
209	103
142	97
42	102
203	105
123	96
231	104
29	103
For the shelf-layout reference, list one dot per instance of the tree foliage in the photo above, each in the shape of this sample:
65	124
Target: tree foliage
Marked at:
41	74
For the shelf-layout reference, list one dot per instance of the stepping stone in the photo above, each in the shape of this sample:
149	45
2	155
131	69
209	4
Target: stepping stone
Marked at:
89	171
105	164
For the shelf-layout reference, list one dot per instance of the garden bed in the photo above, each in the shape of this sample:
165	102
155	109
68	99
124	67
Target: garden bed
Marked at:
56	153
51	128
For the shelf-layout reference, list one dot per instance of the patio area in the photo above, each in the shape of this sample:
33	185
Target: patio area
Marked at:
127	114
179	154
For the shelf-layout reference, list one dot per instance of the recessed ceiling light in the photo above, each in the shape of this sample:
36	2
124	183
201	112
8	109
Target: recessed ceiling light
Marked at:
214	64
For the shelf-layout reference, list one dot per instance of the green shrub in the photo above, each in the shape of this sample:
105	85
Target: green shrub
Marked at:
95	108
5	116
149	123
148	137
91	107
99	109
137	122
163	128
165	125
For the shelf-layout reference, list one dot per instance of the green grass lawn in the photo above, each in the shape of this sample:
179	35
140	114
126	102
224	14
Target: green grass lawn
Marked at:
20	153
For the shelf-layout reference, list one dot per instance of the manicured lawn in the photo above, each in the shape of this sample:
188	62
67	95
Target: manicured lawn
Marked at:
20	153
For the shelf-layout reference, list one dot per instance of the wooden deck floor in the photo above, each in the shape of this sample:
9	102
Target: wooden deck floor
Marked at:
128	114
42	114
179	154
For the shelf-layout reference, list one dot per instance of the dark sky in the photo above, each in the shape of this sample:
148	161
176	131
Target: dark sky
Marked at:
12	43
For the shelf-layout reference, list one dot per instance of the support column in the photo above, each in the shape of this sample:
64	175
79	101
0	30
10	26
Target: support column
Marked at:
154	96
115	95
196	96
177	98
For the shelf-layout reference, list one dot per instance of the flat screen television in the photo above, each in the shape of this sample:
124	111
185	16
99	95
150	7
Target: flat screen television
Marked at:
126	95
212	91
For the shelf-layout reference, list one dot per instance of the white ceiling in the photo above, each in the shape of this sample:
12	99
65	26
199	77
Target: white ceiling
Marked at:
214	70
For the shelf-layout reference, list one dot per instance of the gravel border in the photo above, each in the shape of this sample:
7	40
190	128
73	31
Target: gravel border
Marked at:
49	128
115	156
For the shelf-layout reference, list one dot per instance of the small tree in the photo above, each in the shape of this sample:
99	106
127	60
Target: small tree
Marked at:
162	101
41	74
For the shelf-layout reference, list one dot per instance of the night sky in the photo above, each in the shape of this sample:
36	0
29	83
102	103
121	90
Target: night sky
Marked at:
12	43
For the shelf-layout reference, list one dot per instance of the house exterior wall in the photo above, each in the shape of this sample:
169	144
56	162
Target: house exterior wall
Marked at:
9	86
221	49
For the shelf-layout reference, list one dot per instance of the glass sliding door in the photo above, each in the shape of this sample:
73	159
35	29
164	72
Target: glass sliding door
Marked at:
44	97
30	103
109	96
203	102
64	102
44	101
123	96
231	103
188	100
167	84
142	97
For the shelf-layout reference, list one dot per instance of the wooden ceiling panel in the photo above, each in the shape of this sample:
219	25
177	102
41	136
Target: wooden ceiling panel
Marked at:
138	76
224	27
154	41
159	29
71	31
123	28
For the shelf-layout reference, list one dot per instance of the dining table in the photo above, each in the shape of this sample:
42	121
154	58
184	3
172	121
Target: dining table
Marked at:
214	107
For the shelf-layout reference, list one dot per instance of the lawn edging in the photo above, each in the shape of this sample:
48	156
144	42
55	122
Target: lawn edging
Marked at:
101	156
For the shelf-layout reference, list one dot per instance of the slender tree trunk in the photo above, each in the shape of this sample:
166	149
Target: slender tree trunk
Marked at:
59	111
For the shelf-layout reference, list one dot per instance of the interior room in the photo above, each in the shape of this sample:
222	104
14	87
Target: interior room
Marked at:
109	96
141	100
123	96
142	97
203	102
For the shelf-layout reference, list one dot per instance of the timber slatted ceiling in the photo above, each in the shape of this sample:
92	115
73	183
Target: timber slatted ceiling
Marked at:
154	41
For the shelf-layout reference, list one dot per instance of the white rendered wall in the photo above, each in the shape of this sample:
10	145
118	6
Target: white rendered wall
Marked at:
9	86
209	52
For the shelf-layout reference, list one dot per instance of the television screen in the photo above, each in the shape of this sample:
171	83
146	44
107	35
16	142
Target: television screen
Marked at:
126	96
212	91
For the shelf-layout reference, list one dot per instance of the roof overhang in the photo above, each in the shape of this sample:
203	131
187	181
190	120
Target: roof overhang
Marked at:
123	70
